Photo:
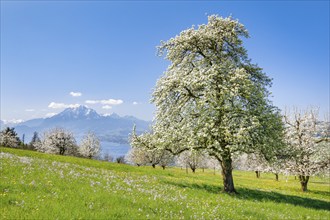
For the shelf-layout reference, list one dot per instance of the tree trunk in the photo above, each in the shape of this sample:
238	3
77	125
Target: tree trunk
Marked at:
62	150
303	182
153	165
193	169
227	176
276	176
163	167
257	174
203	169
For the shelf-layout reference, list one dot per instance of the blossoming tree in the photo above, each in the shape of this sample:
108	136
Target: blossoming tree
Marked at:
9	138
90	146
58	141
213	98
145	150
308	141
193	160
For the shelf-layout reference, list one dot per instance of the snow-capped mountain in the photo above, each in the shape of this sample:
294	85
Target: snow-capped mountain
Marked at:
112	128
79	113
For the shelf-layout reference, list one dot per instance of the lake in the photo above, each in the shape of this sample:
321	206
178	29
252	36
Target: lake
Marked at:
114	149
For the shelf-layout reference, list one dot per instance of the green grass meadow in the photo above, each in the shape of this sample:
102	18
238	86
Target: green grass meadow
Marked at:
41	186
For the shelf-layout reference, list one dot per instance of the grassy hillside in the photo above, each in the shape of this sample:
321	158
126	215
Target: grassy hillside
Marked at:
40	186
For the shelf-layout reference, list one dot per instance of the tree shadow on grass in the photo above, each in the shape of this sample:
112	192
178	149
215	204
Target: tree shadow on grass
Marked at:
322	193
258	195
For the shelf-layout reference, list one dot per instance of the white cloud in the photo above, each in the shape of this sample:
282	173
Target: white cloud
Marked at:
75	94
91	102
62	105
107	107
106	101
135	103
112	102
30	110
48	115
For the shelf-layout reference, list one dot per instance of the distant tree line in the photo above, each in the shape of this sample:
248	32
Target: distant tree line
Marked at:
55	141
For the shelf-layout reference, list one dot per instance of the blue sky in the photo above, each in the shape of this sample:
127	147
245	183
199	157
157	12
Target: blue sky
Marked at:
106	51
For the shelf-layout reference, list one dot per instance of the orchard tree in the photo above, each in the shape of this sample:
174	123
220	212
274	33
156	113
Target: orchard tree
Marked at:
166	159
256	163
213	98
192	159
213	163
90	146
147	143
277	166
9	138
137	156
152	154
58	141
308	141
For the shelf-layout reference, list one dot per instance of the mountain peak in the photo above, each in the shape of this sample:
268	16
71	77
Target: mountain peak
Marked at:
76	113
114	115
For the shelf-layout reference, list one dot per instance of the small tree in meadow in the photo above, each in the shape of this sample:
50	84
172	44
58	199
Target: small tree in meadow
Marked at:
58	141
256	163
166	159
146	146
9	138
90	146
308	141
137	156
192	159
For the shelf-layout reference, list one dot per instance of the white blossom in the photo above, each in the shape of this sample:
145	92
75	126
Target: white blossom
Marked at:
57	141
90	146
308	142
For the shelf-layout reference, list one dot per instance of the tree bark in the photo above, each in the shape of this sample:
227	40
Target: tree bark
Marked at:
276	176
153	165
257	174
163	167
227	176
303	182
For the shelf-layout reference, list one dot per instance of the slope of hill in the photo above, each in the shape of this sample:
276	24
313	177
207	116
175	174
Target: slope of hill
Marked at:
41	186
